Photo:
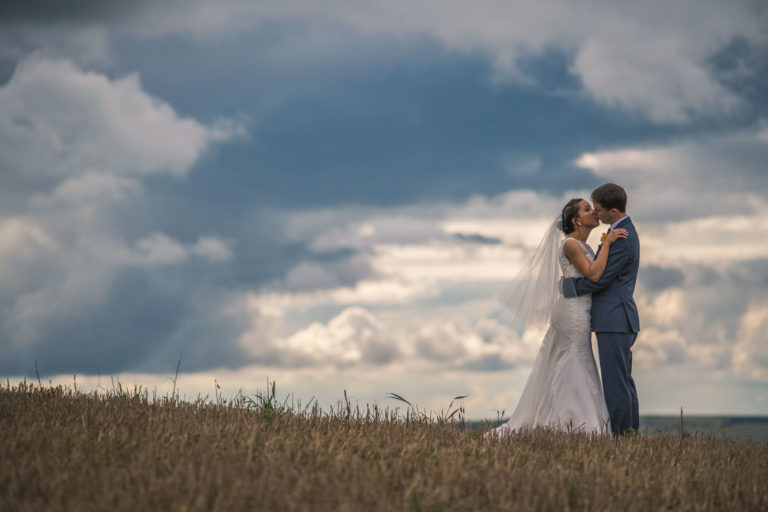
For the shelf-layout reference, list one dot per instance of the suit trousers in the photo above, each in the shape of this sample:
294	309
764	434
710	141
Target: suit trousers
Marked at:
618	386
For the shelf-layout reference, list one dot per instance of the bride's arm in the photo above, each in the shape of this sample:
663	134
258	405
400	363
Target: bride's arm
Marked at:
591	270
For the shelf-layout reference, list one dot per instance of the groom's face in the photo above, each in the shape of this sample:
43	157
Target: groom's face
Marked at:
602	213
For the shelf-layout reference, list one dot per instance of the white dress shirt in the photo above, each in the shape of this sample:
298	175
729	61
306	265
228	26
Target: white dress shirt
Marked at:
615	223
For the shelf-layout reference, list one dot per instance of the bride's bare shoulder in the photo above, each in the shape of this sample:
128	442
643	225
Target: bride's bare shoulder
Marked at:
571	244
572	248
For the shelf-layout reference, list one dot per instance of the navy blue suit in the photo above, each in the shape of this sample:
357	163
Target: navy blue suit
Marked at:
616	323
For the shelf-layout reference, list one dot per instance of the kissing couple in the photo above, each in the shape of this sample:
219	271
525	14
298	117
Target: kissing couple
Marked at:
573	291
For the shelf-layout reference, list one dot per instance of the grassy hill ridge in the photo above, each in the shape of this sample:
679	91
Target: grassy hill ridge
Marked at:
126	451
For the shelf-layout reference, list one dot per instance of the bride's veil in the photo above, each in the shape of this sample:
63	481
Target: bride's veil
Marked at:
533	292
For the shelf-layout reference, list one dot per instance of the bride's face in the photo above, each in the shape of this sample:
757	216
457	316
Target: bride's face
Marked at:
587	215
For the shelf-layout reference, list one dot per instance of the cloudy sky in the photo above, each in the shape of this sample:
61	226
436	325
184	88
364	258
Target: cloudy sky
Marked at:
333	194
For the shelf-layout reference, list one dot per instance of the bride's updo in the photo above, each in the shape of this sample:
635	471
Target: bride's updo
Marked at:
570	211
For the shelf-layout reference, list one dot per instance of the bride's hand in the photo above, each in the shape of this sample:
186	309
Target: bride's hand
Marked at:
614	235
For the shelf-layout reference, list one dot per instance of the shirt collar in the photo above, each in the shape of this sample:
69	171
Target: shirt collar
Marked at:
613	226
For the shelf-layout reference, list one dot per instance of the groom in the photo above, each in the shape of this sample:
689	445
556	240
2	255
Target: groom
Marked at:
614	313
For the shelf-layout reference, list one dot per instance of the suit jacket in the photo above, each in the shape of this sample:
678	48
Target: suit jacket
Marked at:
613	307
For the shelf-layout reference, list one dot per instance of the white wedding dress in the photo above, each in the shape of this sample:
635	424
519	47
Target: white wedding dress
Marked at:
563	390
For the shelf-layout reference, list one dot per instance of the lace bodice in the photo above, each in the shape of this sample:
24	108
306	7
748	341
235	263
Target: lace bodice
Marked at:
572	309
567	267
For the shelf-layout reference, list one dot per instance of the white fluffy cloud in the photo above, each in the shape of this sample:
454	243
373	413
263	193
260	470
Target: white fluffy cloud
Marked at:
700	200
651	73
415	253
89	188
160	249
212	249
358	337
440	286
722	163
76	144
750	353
352	337
57	120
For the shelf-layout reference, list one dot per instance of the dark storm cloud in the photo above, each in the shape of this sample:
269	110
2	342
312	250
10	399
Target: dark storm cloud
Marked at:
382	121
742	66
475	238
144	323
489	363
658	278
751	274
56	12
378	122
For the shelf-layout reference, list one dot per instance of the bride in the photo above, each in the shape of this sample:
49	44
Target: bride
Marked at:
563	389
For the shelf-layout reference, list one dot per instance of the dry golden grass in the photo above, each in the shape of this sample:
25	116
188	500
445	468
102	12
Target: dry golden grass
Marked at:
64	450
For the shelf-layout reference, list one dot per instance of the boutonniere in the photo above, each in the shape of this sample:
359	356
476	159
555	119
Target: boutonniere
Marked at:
605	235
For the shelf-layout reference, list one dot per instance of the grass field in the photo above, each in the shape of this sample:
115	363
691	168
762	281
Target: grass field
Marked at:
125	450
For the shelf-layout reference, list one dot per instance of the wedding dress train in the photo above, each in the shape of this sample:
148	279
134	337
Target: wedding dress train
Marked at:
563	389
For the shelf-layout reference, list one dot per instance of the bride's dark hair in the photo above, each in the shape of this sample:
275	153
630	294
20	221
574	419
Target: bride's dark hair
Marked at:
570	210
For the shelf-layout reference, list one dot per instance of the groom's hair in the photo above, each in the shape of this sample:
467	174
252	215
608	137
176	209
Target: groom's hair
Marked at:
610	196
